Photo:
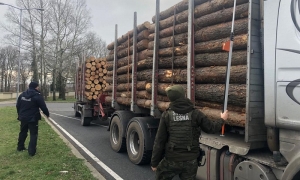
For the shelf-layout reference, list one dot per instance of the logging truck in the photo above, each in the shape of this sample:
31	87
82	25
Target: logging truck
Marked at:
187	45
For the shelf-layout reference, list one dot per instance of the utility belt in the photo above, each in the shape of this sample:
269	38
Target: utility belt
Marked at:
200	157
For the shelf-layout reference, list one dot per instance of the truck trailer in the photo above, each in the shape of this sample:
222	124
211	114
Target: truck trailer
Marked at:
184	45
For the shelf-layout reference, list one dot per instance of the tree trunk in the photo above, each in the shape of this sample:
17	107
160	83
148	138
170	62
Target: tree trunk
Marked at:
211	92
235	118
211	10
213	74
145	95
205	21
240	42
127	60
206	34
179	7
142	35
124	37
141	85
142	45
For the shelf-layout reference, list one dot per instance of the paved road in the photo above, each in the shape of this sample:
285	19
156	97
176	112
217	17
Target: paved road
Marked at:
96	139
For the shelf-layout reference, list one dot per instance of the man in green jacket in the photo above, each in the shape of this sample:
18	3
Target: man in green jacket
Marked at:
178	135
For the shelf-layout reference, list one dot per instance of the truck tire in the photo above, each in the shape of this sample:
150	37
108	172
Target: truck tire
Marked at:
85	121
136	150
117	142
77	114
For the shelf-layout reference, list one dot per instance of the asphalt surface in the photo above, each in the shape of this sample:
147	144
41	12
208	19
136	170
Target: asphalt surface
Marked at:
96	139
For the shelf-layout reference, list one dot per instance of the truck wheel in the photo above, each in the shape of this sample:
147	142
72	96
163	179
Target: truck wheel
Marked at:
117	142
77	114
136	145
85	121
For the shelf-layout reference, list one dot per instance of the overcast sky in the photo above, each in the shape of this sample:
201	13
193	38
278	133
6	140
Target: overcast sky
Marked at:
106	13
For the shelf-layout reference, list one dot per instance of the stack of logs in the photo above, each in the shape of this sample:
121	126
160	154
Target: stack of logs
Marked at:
124	55
95	77
212	29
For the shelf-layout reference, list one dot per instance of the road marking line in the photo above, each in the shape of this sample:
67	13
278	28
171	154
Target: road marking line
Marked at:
77	119
106	168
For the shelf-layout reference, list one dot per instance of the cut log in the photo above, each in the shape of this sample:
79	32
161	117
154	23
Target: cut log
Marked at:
240	43
88	82
103	63
206	34
183	27
92	85
142	45
141	85
93	73
104	71
180	40
88	86
213	74
124	37
211	92
235	118
142	35
93	89
140	55
90	97
96	81
94	96
179	7
145	95
210	8
88	65
97	60
93	68
98	65
88	71
98	87
93	63
87	75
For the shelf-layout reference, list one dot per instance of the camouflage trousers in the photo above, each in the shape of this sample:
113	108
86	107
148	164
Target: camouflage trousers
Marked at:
187	170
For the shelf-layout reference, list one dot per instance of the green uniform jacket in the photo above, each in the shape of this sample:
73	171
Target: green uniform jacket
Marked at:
181	106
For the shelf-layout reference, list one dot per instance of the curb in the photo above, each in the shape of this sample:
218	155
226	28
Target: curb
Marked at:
94	172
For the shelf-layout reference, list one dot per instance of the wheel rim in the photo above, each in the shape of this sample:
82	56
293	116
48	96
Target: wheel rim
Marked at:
115	134
134	142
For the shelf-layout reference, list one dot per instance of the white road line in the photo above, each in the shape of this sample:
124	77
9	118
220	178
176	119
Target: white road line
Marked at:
77	119
106	168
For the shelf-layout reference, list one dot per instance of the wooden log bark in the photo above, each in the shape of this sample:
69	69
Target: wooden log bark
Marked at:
179	7
141	85
124	37
213	74
240	43
211	92
142	45
219	106
206	34
200	11
205	60
142	35
141	65
235	118
127	60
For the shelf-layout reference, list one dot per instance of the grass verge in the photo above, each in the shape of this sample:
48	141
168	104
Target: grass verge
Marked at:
2	100
69	99
53	155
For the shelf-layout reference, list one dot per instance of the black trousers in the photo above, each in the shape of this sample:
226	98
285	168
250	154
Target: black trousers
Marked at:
33	128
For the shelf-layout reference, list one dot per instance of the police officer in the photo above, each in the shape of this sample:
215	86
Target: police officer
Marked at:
178	135
28	107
